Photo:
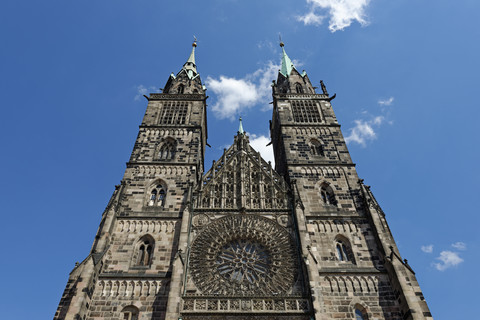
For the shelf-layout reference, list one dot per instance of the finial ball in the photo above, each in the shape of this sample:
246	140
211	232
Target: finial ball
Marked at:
282	44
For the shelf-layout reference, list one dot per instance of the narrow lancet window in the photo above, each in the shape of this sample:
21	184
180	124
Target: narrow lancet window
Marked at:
298	88
328	197
181	89
167	150
157	196
144	252
316	148
344	250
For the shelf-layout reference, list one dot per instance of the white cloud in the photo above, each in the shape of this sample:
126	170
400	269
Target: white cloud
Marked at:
427	249
259	143
341	12
459	245
264	77
141	90
235	95
364	130
311	18
366	127
386	102
266	44
448	259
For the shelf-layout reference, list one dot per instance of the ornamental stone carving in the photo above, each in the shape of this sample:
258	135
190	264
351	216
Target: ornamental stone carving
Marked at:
243	255
284	220
200	220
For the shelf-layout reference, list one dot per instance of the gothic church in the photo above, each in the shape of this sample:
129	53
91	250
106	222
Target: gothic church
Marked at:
304	240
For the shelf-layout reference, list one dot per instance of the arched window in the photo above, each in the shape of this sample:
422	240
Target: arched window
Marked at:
157	195
298	88
328	197
360	313
143	257
167	150
181	89
343	249
316	148
130	313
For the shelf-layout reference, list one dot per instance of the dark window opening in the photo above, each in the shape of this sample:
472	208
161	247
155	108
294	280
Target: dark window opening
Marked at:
316	148
181	89
299	88
328	197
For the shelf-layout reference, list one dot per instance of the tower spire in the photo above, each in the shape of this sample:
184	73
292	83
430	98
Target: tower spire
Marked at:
287	65
190	65
187	80
240	127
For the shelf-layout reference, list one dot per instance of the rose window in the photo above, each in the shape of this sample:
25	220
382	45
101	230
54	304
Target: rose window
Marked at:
243	255
242	260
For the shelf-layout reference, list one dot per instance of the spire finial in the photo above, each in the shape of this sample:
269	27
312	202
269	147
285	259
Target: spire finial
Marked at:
240	127
281	42
194	44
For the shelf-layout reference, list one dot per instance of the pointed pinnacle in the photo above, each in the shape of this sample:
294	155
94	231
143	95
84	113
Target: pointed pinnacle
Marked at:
190	66
240	127
287	65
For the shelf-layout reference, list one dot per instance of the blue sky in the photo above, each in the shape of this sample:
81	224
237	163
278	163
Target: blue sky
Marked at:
73	75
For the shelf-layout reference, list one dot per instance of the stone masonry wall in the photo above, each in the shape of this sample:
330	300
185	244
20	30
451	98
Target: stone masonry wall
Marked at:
342	293
111	296
324	232
120	257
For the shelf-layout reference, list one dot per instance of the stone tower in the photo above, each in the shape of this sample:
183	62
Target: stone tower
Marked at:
304	240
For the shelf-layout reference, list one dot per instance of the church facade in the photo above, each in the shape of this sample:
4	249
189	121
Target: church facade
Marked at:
243	240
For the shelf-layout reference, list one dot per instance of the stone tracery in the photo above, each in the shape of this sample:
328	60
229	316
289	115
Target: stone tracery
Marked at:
243	255
242	179
243	260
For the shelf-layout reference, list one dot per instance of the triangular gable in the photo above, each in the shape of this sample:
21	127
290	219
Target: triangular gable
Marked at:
241	178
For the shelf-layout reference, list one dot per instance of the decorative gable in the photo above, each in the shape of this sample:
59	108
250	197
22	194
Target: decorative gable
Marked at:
241	178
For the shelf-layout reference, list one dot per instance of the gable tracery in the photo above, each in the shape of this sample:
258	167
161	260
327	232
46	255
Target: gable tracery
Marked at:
242	179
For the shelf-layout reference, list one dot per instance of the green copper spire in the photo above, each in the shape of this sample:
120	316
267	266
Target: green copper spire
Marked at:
240	127
191	59
190	66
287	65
